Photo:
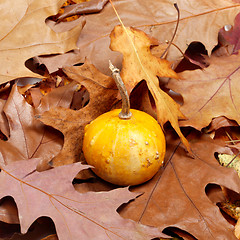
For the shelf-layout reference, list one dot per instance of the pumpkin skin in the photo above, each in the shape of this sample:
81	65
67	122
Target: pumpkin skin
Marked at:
124	152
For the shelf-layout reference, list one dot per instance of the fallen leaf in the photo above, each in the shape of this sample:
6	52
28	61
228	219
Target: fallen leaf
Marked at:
139	64
94	213
196	56
220	122
29	138
158	19
210	93
176	196
102	93
24	34
93	6
57	61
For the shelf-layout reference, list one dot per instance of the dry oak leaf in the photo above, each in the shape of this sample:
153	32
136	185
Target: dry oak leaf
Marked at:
102	91
176	196
50	193
138	64
221	122
24	34
211	92
29	138
157	18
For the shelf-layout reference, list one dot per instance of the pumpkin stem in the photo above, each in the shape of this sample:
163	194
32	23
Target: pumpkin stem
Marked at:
125	113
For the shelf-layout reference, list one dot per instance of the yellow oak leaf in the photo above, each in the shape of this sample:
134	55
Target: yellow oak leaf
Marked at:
139	64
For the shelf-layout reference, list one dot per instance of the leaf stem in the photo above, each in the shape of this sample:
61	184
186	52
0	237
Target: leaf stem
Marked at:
125	113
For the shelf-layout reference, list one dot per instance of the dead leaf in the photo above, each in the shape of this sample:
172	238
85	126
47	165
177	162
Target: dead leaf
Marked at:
138	64
157	18
24	34
57	61
210	93
95	212
176	195
102	91
220	122
29	138
93	6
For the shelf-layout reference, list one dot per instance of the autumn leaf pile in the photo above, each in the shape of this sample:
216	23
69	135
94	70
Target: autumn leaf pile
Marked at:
54	80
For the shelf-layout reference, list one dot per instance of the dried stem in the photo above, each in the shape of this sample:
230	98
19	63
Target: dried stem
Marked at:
175	31
125	113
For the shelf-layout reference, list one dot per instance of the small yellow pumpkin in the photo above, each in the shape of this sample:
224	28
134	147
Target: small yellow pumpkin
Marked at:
125	146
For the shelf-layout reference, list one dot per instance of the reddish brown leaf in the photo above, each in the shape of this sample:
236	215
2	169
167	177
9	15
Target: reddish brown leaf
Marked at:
93	6
51	193
29	138
157	18
220	122
176	197
210	93
231	34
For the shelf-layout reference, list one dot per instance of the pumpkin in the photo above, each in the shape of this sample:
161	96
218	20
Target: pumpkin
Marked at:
125	146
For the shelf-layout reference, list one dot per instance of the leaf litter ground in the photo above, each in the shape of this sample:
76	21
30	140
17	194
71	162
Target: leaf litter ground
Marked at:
181	182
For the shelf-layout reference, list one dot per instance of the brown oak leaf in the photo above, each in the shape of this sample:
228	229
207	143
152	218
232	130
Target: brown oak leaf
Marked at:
93	6
176	196
50	193
24	34
157	18
211	92
29	138
102	91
